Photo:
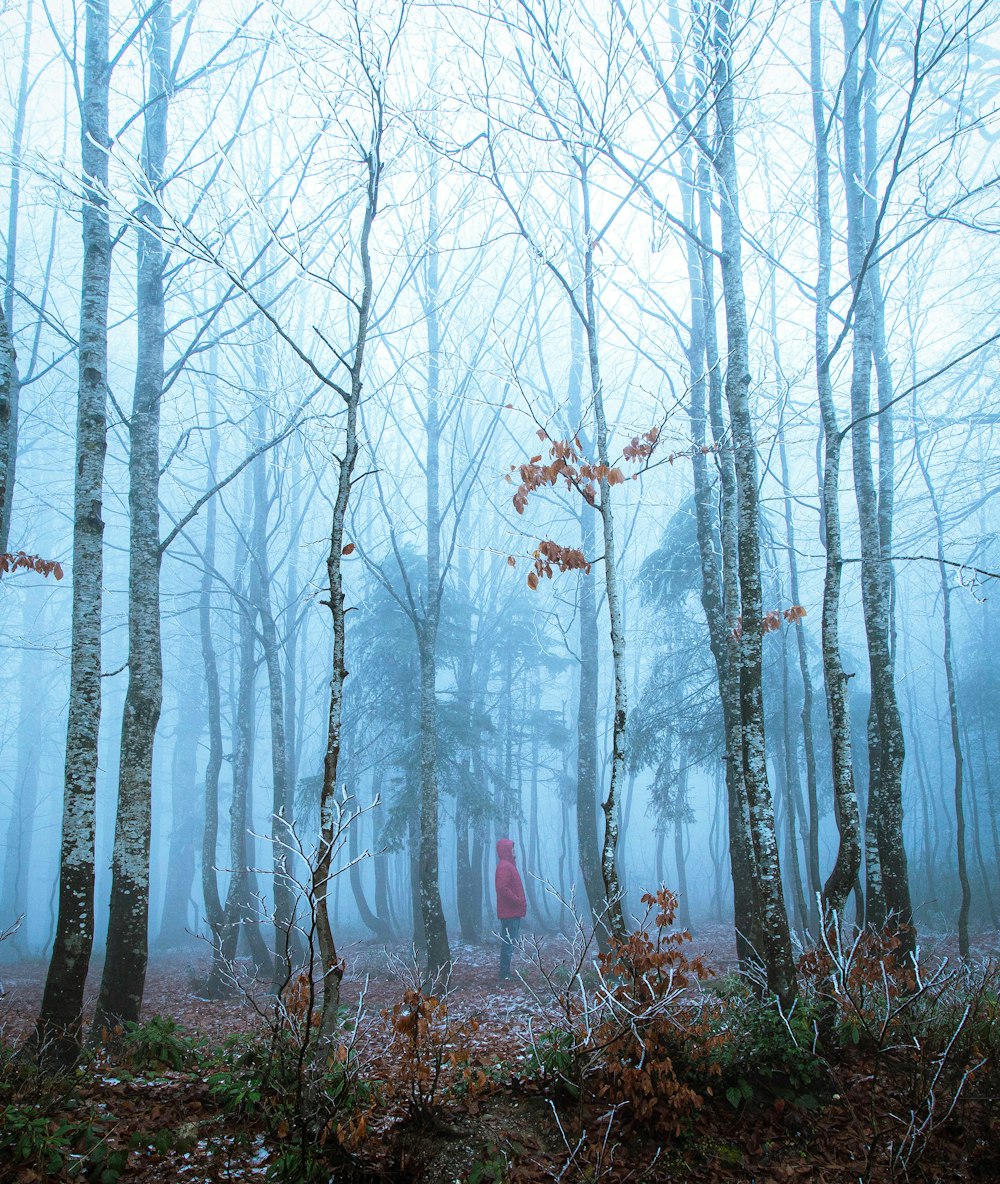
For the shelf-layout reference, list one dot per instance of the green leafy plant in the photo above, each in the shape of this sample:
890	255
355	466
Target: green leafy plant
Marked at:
554	1057
160	1043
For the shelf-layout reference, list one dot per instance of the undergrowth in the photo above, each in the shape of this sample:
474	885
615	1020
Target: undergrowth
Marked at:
642	1047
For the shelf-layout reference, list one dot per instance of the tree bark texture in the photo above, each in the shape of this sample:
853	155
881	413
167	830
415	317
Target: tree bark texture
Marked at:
847	863
123	981
60	1016
614	915
886	748
333	969
438	953
716	533
588	672
776	944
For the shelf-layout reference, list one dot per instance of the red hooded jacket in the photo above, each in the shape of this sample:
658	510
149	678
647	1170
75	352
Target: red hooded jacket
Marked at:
510	890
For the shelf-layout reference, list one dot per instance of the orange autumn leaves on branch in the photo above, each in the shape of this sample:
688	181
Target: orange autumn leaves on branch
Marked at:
566	463
21	561
771	620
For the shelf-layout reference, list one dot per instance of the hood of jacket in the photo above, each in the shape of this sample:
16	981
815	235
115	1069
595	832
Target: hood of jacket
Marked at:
505	850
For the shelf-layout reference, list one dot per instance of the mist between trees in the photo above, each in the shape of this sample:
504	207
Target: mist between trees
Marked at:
568	423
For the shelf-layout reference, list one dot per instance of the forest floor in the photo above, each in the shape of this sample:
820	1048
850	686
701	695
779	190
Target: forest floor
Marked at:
485	1097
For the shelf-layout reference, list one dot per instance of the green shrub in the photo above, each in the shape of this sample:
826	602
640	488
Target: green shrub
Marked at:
160	1043
763	1054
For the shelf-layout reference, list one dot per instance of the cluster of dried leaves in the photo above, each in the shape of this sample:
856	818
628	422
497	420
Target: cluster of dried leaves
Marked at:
22	561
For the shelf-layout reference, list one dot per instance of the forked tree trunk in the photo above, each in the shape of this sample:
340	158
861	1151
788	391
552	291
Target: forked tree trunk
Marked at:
60	1017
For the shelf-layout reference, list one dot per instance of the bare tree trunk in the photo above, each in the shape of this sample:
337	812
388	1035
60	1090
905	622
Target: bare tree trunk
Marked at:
887	749
614	916
124	977
848	860
717	551
213	701
793	795
10	386
183	814
948	657
376	924
237	907
21	828
680	822
777	953
588	658
810	824
60	1017
977	833
333	969
435	931
282	801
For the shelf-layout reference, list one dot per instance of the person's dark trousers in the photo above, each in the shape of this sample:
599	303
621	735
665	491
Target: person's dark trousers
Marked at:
510	927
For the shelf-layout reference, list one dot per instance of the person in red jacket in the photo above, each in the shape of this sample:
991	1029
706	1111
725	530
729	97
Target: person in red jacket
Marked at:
511	904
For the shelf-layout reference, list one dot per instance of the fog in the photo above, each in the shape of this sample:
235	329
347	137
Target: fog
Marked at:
502	345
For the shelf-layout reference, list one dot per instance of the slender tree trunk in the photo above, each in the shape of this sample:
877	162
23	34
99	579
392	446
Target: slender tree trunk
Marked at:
793	795
213	701
810	824
282	800
237	907
588	852
374	923
183	815
60	1017
432	912
716	533
680	822
614	918
948	657
10	385
848	859
124	977
333	969
977	833
887	749
777	953
21	828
